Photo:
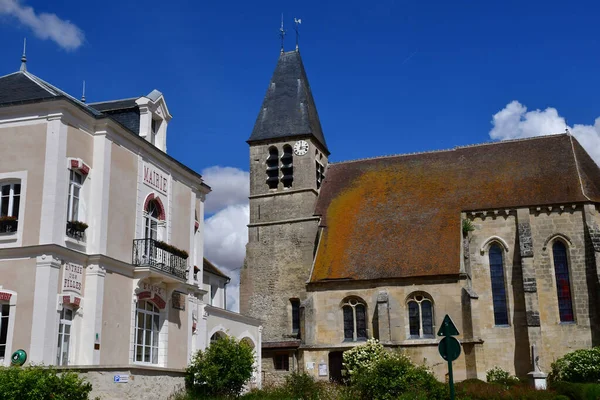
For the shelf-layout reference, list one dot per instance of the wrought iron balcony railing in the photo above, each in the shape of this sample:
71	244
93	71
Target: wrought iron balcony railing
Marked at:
148	253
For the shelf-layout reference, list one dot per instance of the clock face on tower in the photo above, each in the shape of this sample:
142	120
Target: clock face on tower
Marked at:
301	147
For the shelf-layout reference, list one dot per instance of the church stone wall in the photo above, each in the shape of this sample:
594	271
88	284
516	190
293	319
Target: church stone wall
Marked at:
327	321
532	302
276	269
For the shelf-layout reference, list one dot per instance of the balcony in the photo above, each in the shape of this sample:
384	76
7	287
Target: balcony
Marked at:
155	254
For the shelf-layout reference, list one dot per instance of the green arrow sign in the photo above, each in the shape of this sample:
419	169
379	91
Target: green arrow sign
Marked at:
448	328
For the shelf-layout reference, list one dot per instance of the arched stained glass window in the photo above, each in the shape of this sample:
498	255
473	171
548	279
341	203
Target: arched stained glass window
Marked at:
355	320
563	283
498	285
420	316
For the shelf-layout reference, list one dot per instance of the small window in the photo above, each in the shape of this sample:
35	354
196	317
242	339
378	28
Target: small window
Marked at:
213	294
295	316
355	320
420	317
273	168
151	220
4	313
146	333
563	282
320	171
498	285
155	126
10	197
64	336
287	167
281	362
75	183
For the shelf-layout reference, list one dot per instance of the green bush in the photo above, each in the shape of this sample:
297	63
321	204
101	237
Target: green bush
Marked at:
577	391
502	377
394	376
580	366
474	389
301	386
221	370
41	383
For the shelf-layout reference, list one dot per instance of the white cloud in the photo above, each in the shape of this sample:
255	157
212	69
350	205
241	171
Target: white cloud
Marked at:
515	122
44	25
226	232
229	185
225	238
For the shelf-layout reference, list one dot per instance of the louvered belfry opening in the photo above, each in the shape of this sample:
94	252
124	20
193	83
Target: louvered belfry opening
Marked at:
273	168
287	166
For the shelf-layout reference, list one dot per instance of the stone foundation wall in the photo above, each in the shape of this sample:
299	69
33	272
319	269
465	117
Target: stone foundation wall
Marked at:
144	383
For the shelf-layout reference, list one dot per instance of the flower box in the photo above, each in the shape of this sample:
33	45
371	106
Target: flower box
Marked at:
76	229
8	224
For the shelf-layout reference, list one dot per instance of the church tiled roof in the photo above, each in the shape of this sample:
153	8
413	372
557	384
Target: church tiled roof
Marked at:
400	216
288	108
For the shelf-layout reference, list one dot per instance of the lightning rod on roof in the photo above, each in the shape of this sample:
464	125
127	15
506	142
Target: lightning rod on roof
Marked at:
297	22
24	57
282	33
83	93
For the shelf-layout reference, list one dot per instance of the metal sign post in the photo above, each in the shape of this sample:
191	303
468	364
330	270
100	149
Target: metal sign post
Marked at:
449	348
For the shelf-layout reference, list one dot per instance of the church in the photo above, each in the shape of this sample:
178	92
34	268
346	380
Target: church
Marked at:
503	237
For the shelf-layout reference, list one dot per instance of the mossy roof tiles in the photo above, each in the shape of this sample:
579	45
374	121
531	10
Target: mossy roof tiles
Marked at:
400	216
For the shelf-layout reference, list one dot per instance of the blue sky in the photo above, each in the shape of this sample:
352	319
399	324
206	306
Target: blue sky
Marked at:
388	77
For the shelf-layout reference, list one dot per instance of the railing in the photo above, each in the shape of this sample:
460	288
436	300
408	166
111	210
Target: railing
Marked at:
148	252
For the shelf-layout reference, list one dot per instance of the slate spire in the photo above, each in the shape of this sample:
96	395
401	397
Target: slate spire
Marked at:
288	109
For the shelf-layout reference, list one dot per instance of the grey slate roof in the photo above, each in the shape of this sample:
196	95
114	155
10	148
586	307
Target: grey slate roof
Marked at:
21	87
288	108
125	111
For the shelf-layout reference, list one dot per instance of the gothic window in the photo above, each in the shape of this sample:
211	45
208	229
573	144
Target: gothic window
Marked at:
273	168
498	285
295	316
563	284
146	333
355	320
217	336
420	316
287	167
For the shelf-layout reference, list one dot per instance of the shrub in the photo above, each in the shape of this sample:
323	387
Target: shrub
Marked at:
577	391
221	370
41	383
500	376
395	375
362	356
580	366
474	389
301	386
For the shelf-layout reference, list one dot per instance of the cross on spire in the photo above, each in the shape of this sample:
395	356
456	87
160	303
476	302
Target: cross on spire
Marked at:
24	57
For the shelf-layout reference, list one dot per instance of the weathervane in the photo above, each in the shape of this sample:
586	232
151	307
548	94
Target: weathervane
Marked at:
297	22
282	33
24	57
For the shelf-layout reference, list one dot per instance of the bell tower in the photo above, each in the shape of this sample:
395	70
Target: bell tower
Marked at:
288	157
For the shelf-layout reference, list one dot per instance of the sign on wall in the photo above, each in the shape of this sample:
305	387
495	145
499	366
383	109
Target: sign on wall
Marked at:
178	300
153	293
155	178
72	278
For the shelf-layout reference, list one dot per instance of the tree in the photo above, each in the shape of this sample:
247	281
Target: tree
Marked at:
220	370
